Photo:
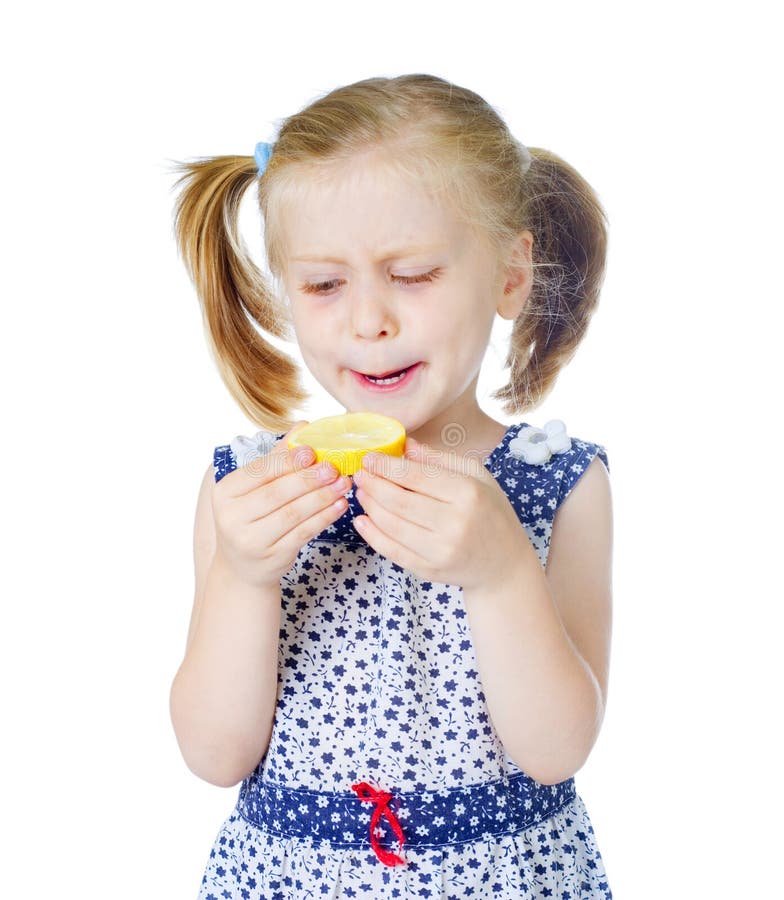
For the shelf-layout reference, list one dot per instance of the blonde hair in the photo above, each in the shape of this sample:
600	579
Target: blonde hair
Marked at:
433	130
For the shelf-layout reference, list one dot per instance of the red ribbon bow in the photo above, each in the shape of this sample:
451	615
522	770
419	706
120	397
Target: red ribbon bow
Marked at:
381	798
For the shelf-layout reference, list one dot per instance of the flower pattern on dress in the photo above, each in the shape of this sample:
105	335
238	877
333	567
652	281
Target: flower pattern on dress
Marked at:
245	449
537	445
378	682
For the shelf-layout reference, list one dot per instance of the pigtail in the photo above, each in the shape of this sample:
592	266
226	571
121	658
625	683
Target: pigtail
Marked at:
232	291
570	245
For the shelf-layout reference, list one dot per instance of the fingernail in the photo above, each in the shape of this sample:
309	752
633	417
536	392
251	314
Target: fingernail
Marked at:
327	473
340	486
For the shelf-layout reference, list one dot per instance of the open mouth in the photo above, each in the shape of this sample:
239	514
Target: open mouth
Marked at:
387	379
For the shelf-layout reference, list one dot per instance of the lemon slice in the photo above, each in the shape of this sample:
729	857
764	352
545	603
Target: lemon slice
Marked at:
344	440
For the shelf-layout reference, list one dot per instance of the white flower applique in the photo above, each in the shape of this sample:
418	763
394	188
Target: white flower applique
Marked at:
246	449
536	445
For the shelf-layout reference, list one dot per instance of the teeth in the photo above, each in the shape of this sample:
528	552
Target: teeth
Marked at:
387	380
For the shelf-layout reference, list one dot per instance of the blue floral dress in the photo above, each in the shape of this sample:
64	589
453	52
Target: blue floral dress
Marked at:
381	731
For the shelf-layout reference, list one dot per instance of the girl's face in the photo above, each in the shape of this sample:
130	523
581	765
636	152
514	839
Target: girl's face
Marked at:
381	276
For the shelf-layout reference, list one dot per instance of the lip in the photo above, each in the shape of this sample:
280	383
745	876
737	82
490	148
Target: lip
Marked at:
386	388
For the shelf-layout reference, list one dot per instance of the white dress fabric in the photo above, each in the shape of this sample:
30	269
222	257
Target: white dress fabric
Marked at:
378	685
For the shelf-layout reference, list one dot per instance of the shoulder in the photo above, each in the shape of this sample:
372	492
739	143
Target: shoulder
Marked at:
552	458
584	457
583	514
241	450
539	466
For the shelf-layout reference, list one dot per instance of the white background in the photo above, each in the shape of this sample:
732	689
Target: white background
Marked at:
113	404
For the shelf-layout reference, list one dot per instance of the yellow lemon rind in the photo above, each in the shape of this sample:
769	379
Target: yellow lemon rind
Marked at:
347	459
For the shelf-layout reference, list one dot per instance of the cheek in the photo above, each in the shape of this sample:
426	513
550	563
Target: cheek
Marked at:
314	342
307	327
298	317
455	336
464	341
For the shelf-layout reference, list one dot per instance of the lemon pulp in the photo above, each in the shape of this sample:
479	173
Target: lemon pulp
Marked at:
344	440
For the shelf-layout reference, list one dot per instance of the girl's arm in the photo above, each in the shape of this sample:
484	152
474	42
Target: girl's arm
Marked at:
542	639
222	698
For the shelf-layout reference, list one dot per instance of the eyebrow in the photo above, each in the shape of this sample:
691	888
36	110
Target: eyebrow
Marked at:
394	254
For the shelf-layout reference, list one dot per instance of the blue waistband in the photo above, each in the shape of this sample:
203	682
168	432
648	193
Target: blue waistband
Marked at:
427	818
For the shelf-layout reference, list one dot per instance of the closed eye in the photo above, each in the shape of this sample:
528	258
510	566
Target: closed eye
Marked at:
323	287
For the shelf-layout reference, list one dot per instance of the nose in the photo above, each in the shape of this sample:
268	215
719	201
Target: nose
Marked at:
373	314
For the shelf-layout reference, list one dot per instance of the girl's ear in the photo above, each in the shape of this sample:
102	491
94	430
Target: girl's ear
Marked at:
518	278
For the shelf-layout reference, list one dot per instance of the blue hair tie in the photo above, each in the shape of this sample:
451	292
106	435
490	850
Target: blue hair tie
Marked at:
262	155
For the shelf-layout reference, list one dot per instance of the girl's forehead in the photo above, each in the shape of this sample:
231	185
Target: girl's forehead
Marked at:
365	204
363	178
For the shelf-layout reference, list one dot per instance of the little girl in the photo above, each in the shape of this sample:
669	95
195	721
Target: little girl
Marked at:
405	670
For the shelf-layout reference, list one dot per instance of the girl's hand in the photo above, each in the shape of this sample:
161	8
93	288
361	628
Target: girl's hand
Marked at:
266	511
444	520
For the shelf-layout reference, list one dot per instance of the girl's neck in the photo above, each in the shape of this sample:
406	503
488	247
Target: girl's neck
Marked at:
476	437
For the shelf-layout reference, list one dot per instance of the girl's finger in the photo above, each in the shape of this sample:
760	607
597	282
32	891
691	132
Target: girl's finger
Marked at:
296	495
386	546
424	471
267	467
407	534
410	506
293	540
